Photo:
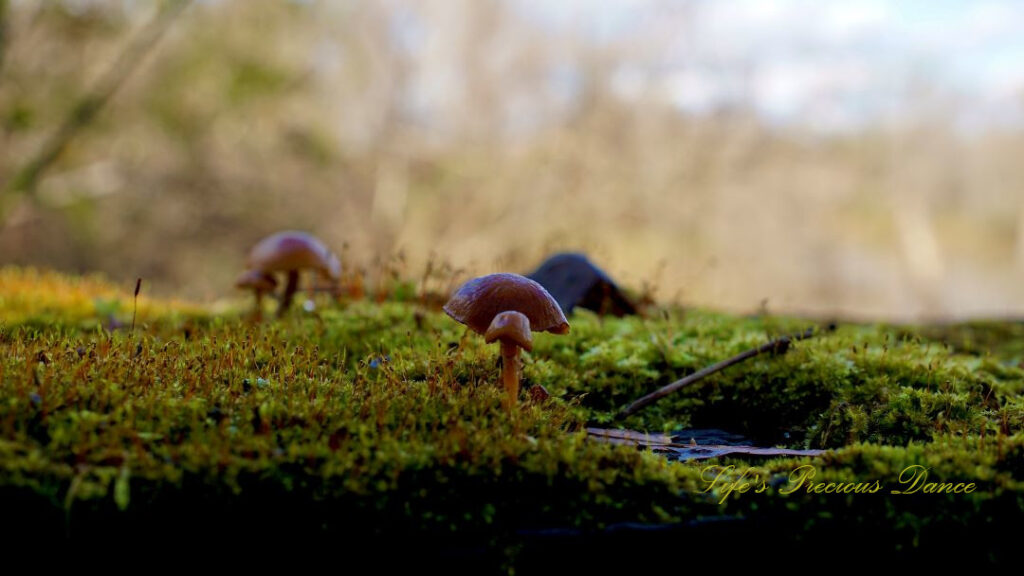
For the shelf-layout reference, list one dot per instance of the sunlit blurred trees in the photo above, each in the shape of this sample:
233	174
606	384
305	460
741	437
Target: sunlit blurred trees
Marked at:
474	132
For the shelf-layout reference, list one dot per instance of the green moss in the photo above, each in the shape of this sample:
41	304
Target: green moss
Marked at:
1003	339
388	415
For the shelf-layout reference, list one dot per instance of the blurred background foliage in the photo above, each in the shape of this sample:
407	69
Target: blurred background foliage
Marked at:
479	135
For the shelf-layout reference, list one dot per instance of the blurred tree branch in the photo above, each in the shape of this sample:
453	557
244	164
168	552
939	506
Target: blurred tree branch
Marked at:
87	107
3	32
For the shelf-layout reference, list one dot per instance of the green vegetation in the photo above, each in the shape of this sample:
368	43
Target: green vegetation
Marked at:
384	419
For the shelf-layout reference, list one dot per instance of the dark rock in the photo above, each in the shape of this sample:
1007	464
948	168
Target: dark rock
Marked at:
573	280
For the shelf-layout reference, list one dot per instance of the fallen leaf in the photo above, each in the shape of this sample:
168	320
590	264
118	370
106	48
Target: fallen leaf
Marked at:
665	444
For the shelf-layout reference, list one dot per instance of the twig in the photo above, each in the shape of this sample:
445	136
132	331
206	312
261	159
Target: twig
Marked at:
86	109
777	346
135	302
3	32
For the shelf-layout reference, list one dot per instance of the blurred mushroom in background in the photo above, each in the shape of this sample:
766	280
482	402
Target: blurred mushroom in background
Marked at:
260	283
290	252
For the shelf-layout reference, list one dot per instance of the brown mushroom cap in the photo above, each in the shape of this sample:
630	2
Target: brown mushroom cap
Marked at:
510	326
478	301
256	280
291	250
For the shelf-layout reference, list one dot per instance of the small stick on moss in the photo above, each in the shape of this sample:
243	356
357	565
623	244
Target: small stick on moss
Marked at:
777	346
135	302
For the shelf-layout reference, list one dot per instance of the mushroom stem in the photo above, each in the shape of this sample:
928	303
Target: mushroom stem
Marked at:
258	314
510	371
289	292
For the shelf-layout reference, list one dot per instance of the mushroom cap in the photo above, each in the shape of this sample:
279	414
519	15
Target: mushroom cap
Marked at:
293	250
257	280
478	301
510	326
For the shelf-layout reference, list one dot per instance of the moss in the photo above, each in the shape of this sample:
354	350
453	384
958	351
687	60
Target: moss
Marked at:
384	418
1002	339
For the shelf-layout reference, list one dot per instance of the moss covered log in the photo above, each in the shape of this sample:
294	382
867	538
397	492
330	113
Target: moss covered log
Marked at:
374	421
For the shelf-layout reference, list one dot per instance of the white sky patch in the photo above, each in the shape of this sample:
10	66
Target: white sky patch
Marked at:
695	90
848	21
793	58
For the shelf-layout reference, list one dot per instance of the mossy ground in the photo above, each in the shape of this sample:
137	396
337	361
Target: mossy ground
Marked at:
375	420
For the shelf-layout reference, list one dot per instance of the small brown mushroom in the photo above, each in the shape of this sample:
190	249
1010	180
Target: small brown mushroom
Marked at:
513	330
289	252
507	307
260	283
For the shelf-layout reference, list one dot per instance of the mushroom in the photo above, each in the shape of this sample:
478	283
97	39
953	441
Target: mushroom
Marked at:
507	307
289	252
260	283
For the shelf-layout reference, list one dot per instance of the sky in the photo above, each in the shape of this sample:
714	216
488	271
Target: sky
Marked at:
826	64
829	63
